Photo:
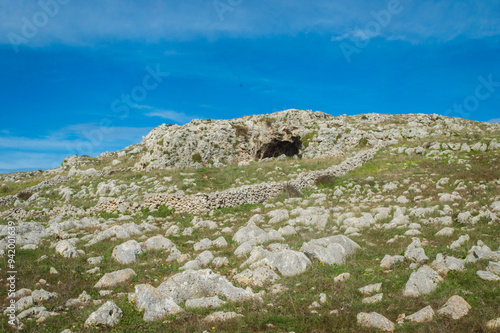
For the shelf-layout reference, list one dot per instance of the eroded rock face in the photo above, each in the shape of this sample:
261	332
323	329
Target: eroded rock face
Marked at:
108	315
278	146
221	316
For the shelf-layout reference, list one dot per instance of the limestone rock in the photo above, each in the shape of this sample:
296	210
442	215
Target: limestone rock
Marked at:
286	261
370	289
330	250
422	282
487	276
107	315
157	243
201	283
424	315
341	277
115	278
493	324
154	302
126	253
66	249
257	277
494	267
443	264
372	299
456	307
42	296
375	320
389	261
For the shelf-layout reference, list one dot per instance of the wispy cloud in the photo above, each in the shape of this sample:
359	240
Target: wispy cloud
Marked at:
351	35
19	152
178	117
90	22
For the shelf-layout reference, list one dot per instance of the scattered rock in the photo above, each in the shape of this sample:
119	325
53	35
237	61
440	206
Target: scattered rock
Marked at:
424	315
330	250
221	317
115	278
456	307
107	315
154	302
487	276
201	283
257	277
126	253
370	289
422	282
373	299
373	319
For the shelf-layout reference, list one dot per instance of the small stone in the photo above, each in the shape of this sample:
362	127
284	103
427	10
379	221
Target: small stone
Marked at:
373	299
494	323
375	320
107	315
115	278
456	307
422	282
126	253
341	277
42	295
494	267
370	289
487	276
221	317
424	315
94	261
53	271
447	231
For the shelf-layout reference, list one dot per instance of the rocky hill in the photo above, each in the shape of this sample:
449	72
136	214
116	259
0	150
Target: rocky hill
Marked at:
292	221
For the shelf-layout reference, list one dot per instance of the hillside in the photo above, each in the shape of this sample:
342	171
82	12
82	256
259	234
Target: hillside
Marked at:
295	221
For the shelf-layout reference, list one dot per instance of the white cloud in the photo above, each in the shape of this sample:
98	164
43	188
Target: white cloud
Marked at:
12	162
17	152
351	35
496	120
91	22
178	117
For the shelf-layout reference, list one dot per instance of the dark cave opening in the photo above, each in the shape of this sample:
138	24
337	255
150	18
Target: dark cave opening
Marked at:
276	148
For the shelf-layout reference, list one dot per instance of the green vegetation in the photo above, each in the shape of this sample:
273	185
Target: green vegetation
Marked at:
196	158
307	138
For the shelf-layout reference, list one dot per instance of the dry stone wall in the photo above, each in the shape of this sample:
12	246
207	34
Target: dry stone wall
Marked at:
202	203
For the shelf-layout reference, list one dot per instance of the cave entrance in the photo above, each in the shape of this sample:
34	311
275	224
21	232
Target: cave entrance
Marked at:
276	148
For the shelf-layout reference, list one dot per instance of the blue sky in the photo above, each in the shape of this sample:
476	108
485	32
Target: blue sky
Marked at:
68	66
